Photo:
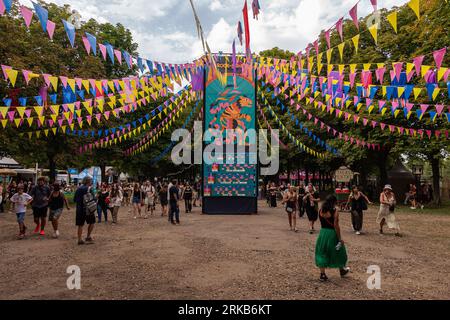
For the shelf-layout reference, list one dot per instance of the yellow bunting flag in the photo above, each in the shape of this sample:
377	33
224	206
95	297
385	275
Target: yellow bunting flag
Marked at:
329	53
71	83
415	6
85	84
424	70
355	40
374	32
54	82
417	92
353	68
441	73
435	93
392	18
367	66
341	47
12	75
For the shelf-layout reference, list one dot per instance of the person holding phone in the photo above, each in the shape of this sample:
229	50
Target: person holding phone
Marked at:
386	214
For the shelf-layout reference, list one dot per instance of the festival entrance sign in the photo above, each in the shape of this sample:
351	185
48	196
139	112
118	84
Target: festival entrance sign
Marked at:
230	176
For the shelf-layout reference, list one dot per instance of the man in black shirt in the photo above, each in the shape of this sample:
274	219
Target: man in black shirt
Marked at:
173	203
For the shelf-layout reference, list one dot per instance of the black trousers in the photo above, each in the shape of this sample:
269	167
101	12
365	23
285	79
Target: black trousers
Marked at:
188	205
357	219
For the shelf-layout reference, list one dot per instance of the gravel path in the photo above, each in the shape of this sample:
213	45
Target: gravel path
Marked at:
223	257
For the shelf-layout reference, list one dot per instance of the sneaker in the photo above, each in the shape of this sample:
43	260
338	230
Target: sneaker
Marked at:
311	231
38	227
57	233
358	233
344	272
54	235
89	240
42	233
323	277
413	208
421	207
20	236
81	242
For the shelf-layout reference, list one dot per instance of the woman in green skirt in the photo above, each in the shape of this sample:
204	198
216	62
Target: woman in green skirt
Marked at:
330	249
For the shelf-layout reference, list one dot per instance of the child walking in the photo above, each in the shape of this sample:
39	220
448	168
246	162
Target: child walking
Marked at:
21	200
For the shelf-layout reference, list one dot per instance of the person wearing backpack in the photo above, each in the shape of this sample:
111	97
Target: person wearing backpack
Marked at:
86	209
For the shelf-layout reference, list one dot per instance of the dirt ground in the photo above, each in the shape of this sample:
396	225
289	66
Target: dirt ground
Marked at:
223	257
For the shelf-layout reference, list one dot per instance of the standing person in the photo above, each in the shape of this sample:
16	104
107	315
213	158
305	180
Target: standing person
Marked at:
290	199
163	199
330	247
116	199
1	199
137	196
150	193
21	200
41	195
300	204
273	195
56	205
387	208
174	198
102	203
311	203
359	203
126	195
413	196
187	196
85	212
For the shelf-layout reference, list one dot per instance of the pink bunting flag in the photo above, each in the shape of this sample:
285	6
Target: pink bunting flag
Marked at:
398	70
352	79
409	106
380	74
46	79
102	50
439	109
87	45
382	125
410	75
418	63
79	83
374	124
64	81
374	4
339	25
50	28
327	37
4	68
424	108
428	133
439	56
27	15
28	113
118	55
26	75
354	14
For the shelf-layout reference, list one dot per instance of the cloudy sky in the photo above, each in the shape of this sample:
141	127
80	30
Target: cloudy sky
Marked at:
165	29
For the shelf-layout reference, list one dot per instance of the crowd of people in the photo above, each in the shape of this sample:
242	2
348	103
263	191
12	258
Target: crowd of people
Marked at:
96	205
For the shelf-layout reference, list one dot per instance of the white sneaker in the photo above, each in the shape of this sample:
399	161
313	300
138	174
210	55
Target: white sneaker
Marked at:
358	233
57	233
412	208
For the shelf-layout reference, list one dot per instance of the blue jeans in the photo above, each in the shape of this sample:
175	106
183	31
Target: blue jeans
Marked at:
174	210
101	210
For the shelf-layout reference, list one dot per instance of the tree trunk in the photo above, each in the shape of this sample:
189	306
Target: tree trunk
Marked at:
435	167
52	168
103	172
382	166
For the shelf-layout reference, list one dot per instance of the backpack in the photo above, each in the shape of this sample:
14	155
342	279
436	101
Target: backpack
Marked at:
90	203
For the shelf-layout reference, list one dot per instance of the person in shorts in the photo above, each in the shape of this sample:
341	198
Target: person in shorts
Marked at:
21	200
81	217
56	205
41	194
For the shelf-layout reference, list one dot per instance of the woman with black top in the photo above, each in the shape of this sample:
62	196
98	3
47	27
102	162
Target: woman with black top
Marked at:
311	203
359	203
330	248
163	200
300	205
187	196
102	203
290	199
56	204
137	198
